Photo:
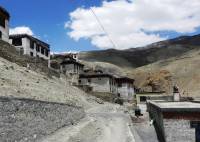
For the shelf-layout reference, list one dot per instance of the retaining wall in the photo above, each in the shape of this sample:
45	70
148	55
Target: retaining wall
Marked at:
28	120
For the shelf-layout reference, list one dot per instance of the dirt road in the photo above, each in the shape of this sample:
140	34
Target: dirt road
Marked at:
104	123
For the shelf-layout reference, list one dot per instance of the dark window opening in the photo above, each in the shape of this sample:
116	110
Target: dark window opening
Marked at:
143	99
37	48
0	35
31	53
119	85
118	95
79	81
17	41
47	53
42	50
2	21
31	44
89	80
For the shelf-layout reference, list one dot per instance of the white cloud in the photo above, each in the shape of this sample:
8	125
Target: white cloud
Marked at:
21	30
128	22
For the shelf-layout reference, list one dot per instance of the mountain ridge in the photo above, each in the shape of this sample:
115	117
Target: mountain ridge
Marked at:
150	53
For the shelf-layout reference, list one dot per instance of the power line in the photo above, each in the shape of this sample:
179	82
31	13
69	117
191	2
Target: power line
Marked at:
102	27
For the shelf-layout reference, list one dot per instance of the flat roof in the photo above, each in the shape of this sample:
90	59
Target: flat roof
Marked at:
151	93
124	80
95	75
38	41
176	106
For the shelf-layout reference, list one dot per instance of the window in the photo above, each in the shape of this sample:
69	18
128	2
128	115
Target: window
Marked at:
119	85
89	80
42	50
99	78
31	44
0	35
143	99
2	21
47	53
17	41
37	48
31	53
79	81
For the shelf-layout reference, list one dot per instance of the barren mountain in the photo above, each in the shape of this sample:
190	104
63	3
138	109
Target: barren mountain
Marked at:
136	57
159	66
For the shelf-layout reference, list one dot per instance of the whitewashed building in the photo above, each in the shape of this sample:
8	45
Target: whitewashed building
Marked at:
125	88
99	82
28	45
71	66
4	24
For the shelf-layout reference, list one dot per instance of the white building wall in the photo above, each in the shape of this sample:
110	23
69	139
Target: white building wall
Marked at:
98	84
5	31
126	91
26	46
27	50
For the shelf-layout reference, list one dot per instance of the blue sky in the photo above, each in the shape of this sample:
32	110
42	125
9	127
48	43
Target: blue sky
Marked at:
47	18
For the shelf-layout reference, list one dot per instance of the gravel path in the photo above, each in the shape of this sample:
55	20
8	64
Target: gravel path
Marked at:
102	124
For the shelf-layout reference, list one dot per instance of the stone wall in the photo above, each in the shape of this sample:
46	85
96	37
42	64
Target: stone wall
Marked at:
109	97
28	120
155	114
178	131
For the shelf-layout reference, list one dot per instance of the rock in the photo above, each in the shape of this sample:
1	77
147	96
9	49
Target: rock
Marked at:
99	101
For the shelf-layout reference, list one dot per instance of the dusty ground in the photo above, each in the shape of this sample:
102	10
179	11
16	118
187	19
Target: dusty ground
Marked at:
104	123
17	81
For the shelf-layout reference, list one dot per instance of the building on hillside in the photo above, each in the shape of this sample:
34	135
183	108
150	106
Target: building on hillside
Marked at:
125	88
64	55
4	24
70	66
31	46
99	82
175	121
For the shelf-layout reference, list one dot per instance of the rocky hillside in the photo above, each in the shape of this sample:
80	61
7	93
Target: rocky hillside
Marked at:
159	66
35	101
183	71
137	57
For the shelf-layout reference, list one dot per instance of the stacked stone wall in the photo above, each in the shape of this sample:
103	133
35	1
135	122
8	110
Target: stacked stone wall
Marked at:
29	120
